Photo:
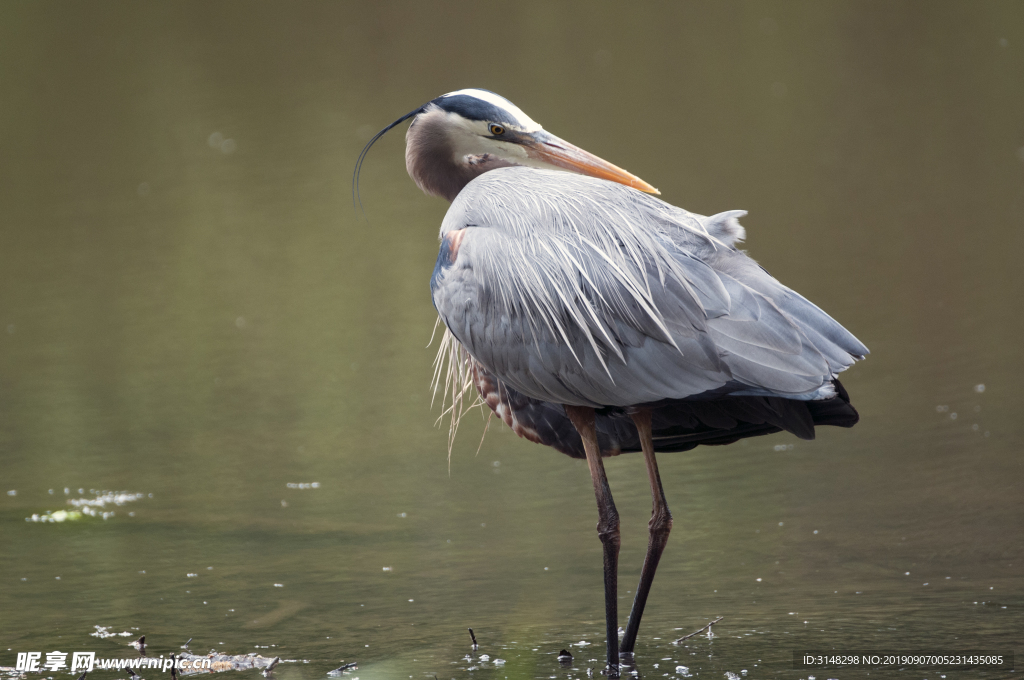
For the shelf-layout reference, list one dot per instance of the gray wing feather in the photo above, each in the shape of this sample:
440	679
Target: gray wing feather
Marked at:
579	291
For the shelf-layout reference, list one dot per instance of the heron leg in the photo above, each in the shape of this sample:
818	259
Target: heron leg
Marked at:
659	527
583	418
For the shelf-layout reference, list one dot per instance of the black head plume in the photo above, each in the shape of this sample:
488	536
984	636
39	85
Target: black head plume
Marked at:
356	200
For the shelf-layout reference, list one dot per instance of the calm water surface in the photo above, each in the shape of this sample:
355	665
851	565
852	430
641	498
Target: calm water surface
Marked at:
191	310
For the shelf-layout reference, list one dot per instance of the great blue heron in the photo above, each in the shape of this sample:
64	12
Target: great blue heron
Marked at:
597	319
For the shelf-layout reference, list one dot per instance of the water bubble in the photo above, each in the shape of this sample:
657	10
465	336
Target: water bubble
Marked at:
979	388
215	140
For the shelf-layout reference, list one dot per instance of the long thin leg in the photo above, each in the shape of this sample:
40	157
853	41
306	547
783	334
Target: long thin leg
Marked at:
582	418
659	526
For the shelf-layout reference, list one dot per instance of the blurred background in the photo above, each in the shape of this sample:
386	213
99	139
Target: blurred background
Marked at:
192	310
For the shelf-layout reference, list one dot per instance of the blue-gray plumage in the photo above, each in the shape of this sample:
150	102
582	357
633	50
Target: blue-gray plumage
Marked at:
597	319
580	291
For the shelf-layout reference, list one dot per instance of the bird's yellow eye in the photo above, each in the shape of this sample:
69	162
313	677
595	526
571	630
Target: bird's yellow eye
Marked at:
497	130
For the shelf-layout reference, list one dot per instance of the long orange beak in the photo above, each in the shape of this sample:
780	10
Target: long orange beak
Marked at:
552	150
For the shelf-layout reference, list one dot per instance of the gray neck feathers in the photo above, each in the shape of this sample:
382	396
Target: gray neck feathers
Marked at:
430	158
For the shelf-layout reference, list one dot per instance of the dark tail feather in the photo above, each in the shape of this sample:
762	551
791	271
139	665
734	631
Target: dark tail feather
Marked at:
679	425
682	425
836	411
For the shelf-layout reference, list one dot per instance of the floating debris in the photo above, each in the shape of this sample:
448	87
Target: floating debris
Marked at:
473	637
92	507
227	662
564	657
343	669
58	516
705	628
104	632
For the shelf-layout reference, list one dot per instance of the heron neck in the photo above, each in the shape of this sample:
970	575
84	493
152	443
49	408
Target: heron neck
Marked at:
431	160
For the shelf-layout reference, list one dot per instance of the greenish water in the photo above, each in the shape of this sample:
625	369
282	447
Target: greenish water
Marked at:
191	309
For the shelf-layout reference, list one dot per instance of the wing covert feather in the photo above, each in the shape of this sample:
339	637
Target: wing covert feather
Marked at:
579	291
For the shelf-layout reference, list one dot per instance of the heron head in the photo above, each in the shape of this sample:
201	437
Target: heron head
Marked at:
465	133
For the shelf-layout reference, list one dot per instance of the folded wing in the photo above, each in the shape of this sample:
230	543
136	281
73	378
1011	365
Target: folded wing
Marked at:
577	291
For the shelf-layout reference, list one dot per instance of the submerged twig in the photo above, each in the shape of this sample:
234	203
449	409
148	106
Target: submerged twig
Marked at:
697	632
343	668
